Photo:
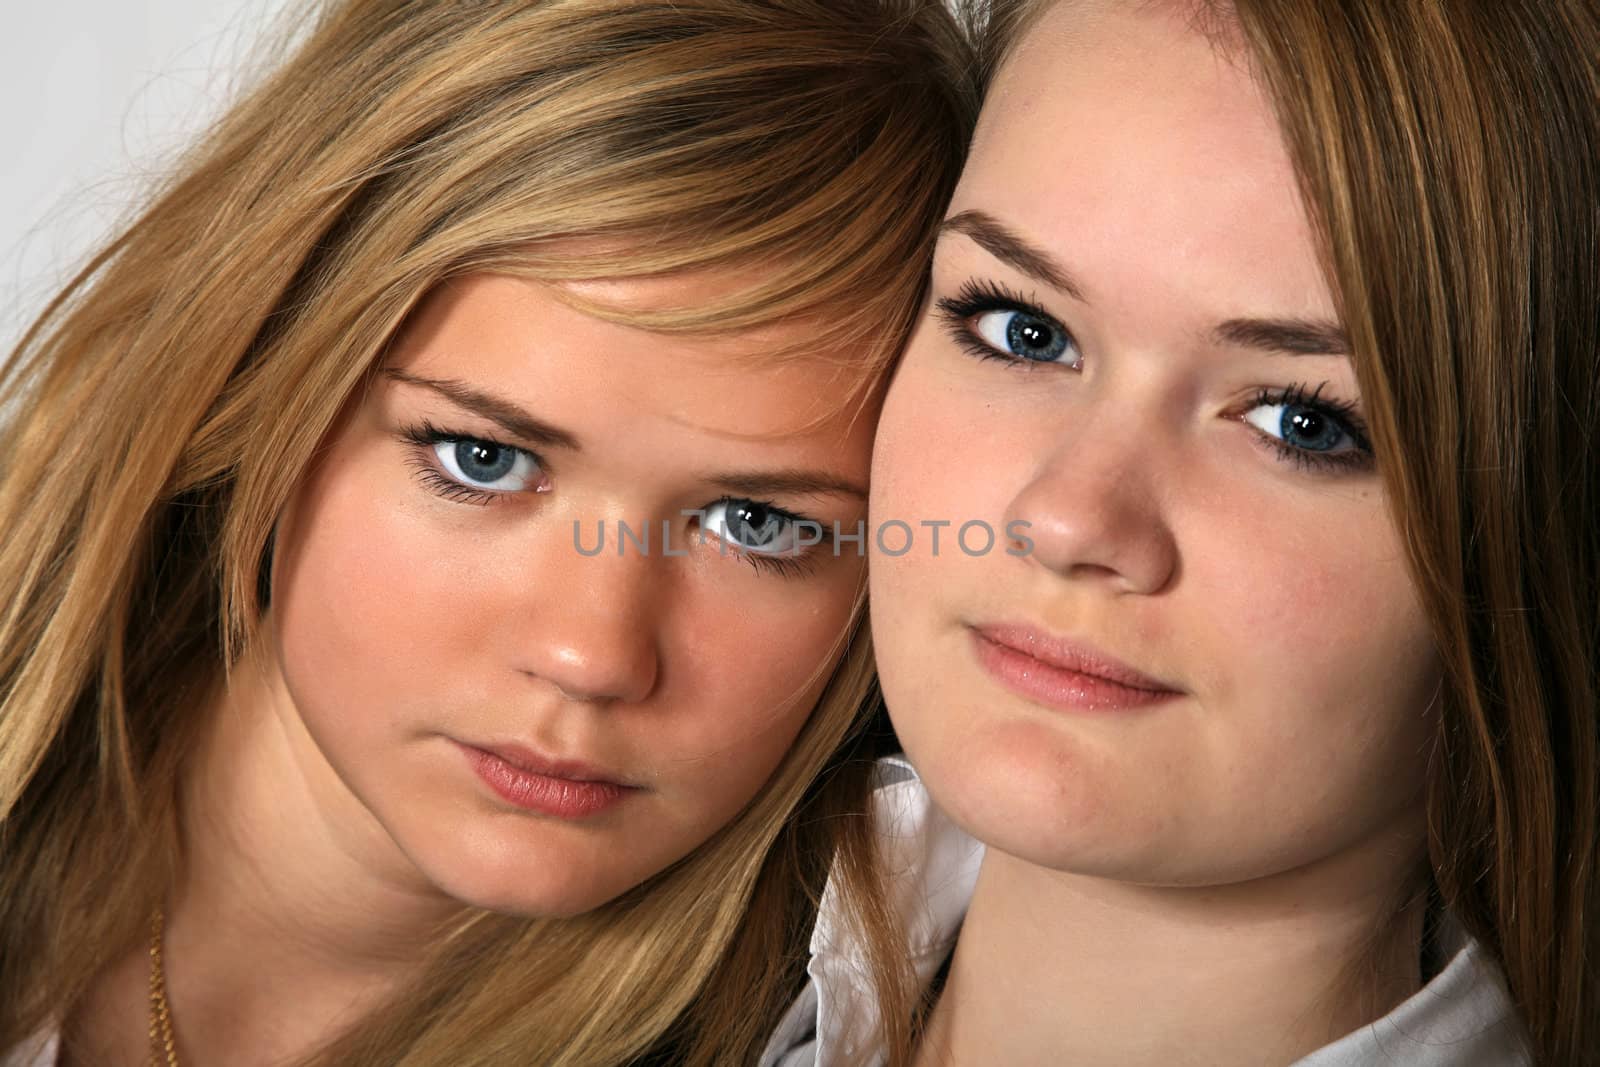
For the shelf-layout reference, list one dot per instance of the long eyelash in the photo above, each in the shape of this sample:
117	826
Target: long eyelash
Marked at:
974	298
1341	411
426	434
787	565
784	566
449	488
423	436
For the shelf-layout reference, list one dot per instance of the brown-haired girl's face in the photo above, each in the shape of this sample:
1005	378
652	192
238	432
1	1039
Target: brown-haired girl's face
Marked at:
488	702
1199	660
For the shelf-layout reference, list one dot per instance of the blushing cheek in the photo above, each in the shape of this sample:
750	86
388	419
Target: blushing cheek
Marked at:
1287	610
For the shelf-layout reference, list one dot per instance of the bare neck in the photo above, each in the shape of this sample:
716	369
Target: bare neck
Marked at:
293	914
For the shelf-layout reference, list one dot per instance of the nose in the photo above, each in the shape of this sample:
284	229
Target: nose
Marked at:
592	630
1094	512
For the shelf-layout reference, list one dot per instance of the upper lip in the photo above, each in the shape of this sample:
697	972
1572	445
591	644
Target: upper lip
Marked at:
1069	655
528	759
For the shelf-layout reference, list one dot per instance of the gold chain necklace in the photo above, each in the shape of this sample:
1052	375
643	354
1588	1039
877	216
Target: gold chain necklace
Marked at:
163	1050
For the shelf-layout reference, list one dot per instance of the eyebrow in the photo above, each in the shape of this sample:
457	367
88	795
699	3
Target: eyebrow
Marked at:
1294	337
1000	241
503	412
536	431
786	480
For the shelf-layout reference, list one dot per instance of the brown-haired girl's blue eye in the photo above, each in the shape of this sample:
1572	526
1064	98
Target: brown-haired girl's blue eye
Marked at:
1022	335
991	322
1310	430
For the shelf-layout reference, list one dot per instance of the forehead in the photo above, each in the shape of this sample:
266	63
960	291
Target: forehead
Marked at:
522	341
1122	136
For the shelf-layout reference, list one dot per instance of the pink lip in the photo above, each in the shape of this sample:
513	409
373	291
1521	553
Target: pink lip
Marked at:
1059	673
533	782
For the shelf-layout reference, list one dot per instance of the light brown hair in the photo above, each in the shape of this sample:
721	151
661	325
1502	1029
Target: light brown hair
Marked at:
162	410
1449	154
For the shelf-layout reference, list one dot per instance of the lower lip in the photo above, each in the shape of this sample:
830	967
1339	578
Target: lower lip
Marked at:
564	798
1058	687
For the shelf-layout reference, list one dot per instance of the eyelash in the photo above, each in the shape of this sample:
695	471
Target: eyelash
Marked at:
1341	411
424	436
785	565
976	297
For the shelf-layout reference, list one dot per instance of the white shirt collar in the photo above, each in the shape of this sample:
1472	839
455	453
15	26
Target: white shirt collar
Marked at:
41	1050
1463	1017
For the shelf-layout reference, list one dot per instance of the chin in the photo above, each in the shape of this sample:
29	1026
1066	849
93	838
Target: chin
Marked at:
1032	791
1107	848
536	895
512	878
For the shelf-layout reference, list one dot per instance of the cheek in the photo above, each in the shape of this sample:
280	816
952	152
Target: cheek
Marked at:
367	598
1315	670
1309	597
943	454
931	440
748	672
942	459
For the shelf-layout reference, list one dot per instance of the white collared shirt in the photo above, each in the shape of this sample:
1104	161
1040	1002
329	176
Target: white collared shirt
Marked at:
1463	1017
42	1050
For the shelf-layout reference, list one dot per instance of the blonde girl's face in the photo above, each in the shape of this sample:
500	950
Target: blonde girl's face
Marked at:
531	718
1199	659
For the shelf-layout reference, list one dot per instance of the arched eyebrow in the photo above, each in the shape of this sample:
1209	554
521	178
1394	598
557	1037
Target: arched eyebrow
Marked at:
786	481
502	412
1295	337
1004	244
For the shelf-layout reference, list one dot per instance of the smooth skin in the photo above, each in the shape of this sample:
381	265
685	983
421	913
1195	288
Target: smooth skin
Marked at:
333	819
1179	882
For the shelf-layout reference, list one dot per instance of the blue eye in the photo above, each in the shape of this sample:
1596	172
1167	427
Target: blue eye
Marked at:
1022	335
1302	427
991	322
1311	431
752	527
486	465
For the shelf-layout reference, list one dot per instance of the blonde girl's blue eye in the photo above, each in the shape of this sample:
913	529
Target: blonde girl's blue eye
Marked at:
471	470
486	465
751	526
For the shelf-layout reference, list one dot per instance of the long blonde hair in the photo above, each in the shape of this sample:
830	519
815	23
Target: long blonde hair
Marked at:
168	401
1449	153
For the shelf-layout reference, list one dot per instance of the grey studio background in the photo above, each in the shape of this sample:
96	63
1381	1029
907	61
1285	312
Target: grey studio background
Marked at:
95	97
